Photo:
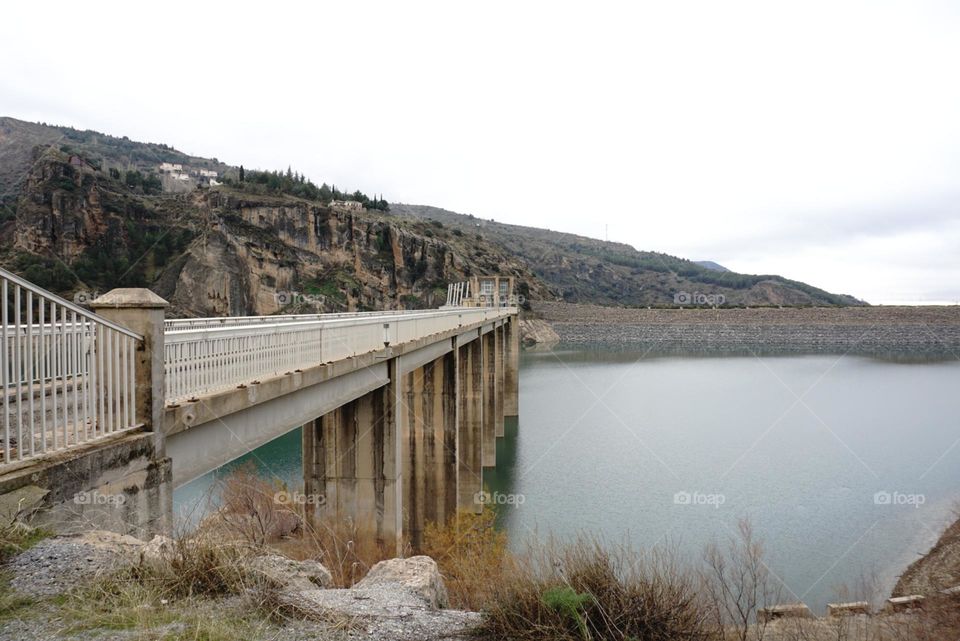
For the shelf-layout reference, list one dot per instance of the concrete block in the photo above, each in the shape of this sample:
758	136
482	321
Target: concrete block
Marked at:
784	611
847	609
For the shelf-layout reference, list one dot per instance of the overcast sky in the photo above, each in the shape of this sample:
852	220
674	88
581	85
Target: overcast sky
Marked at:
818	140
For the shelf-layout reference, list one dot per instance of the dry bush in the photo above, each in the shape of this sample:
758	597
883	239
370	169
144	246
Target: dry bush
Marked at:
264	514
937	620
196	566
342	547
587	590
255	509
736	584
471	554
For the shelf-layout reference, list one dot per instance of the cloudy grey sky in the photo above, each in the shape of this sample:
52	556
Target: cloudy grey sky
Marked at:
818	140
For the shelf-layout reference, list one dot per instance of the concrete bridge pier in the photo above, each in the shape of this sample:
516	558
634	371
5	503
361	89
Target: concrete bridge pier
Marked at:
499	362
350	468
430	446
511	368
470	380
491	403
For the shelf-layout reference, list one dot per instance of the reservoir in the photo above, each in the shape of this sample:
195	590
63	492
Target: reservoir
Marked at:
848	466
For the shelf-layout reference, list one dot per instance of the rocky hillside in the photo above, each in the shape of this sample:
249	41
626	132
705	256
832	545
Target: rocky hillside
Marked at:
72	220
78	231
587	270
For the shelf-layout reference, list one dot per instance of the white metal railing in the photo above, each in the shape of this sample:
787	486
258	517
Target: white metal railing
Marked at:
67	375
204	359
456	292
172	324
461	295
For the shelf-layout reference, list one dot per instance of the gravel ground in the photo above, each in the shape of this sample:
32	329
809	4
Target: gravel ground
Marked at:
391	608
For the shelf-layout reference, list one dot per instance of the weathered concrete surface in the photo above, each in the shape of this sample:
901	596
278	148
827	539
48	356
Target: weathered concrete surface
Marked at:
511	374
429	446
469	425
350	466
116	484
489	386
224	437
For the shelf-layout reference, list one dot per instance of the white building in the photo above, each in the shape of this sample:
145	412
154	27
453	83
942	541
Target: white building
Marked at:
208	173
166	167
347	205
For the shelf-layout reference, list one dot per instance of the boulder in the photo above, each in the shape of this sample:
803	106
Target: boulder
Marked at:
157	548
290	574
418	574
536	332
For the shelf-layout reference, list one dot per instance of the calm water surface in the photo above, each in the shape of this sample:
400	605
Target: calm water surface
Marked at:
673	450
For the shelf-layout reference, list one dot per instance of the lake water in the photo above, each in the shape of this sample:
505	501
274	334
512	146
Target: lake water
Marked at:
845	465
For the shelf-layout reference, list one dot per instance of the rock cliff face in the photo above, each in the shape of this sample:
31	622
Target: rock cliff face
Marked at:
263	257
233	254
59	211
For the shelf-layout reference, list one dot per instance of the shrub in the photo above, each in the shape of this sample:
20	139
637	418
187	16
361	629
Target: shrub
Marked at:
471	554
588	590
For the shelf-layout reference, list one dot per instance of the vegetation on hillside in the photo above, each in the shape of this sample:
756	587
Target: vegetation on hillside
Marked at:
293	183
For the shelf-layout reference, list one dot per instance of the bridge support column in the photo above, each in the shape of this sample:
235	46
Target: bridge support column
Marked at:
469	384
498	392
430	446
489	368
350	468
511	361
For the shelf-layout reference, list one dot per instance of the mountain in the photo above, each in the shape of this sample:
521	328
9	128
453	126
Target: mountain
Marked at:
709	264
586	270
82	212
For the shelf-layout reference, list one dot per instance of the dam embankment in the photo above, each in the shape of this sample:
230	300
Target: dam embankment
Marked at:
900	329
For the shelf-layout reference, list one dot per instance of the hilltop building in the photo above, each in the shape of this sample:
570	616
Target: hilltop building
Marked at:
346	205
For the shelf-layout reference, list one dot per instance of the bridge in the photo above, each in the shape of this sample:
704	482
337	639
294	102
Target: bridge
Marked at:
106	412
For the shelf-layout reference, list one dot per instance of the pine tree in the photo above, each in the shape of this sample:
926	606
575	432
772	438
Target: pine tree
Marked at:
241	173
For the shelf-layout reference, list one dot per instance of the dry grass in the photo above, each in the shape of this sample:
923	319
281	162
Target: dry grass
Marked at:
346	551
472	555
590	590
266	515
16	536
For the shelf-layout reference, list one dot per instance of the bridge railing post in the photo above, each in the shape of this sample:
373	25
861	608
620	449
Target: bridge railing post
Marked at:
142	311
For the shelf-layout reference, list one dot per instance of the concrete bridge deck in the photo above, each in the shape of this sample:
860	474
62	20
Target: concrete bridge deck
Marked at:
400	411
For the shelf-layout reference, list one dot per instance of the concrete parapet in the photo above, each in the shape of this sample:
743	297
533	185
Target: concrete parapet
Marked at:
847	609
902	603
784	611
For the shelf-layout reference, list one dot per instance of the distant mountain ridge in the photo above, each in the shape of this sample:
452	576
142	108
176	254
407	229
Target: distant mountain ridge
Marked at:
587	270
709	264
235	249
